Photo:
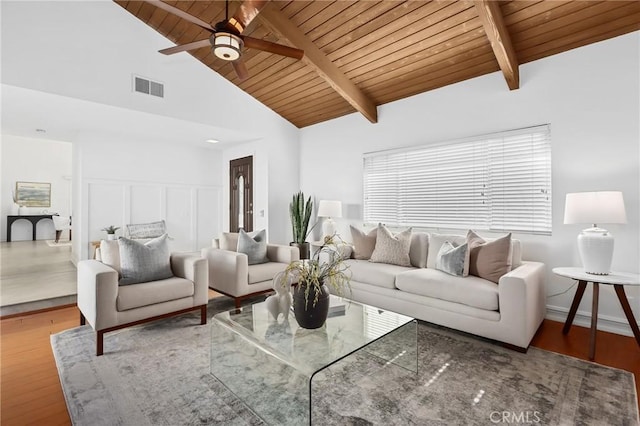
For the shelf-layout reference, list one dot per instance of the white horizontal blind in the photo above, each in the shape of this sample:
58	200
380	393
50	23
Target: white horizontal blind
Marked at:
499	182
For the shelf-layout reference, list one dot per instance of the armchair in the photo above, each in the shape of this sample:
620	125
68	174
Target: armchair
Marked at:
106	306
231	274
61	223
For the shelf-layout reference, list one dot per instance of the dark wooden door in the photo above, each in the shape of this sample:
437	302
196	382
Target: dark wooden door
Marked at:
241	194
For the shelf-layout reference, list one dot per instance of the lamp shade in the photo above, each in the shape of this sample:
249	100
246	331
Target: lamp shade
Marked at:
329	208
595	207
226	46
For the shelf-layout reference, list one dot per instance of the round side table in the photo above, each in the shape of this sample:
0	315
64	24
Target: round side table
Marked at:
618	280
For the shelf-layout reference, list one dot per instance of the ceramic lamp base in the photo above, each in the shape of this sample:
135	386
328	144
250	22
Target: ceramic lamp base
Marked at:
596	250
328	228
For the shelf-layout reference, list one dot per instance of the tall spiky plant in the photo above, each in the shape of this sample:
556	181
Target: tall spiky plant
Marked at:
300	213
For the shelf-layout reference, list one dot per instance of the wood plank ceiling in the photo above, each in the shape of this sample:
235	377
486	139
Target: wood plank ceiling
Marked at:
391	49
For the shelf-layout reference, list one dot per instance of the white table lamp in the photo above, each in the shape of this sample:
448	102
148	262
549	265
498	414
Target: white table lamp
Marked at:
329	209
595	244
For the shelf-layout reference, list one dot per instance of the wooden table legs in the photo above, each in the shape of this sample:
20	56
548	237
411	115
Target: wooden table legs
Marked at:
622	297
582	285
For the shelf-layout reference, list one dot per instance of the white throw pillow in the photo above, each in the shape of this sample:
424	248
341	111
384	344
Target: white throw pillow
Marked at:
436	241
453	259
110	254
392	249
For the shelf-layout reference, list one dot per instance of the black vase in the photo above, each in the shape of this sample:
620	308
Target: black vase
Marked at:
310	316
304	249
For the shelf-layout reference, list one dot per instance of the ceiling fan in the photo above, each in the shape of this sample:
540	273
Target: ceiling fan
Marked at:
226	38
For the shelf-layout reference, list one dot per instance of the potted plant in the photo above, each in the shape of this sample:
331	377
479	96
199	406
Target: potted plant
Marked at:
300	213
111	231
325	269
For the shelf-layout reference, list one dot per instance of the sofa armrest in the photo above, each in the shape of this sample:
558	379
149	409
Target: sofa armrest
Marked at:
522	298
194	269
228	271
97	293
282	254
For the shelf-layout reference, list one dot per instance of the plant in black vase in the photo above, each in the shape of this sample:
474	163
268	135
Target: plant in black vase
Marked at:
325	269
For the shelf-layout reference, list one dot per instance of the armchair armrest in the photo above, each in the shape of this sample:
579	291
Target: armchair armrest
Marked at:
194	269
282	253
97	293
228	271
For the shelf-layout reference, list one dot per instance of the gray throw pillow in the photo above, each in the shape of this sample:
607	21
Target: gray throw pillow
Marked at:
453	259
392	249
140	263
254	246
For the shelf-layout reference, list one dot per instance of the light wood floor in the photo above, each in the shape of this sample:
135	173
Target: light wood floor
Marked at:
30	390
32	271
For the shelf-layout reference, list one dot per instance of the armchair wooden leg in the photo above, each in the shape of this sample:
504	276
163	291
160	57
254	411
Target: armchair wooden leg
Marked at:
238	301
99	347
203	314
58	233
83	320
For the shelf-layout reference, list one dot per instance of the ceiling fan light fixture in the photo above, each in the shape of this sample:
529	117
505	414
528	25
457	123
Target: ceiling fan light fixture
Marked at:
226	46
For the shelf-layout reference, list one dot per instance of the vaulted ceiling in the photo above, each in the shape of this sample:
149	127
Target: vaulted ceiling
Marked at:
361	54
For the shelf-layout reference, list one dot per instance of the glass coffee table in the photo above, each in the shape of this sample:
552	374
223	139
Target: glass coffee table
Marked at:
271	366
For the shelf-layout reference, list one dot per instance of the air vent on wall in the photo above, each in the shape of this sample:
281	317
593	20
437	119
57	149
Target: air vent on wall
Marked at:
148	87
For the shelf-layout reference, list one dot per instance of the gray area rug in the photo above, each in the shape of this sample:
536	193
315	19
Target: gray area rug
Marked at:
158	374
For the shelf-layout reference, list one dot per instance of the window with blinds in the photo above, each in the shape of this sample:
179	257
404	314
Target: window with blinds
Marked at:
498	182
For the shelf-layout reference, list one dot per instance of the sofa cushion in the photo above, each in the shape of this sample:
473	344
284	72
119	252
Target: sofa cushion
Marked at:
393	249
110	254
229	241
254	246
436	241
151	293
419	249
265	271
470	291
489	260
363	244
378	274
146	230
141	263
453	259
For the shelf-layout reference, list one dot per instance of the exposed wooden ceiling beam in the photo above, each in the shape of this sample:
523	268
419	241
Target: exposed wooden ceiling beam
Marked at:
315	58
493	23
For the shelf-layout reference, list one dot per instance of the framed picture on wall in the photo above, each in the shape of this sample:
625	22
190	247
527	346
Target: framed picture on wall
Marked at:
33	194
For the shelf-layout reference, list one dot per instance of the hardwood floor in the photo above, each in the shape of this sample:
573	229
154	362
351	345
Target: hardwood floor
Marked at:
31	393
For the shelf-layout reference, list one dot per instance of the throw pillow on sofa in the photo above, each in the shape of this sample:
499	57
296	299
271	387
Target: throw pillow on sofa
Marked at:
254	245
392	249
140	263
110	254
436	241
453	259
489	260
363	244
229	241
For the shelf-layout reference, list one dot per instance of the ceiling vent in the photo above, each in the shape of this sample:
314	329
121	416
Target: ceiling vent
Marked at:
148	87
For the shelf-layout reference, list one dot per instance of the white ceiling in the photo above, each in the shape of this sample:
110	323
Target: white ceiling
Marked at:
65	119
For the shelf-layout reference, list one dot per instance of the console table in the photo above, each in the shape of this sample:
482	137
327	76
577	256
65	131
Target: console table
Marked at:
34	219
618	280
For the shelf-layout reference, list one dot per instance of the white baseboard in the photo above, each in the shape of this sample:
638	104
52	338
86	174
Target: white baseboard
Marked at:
583	319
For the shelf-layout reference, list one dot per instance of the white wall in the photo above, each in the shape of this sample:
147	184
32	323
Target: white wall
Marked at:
123	181
35	160
97	67
590	96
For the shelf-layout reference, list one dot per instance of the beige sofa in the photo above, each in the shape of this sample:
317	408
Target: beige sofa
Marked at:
231	274
509	312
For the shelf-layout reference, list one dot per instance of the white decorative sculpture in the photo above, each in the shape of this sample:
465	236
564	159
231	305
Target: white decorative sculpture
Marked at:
280	303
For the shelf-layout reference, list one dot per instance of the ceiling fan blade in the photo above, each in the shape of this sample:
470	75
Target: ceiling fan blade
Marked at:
248	10
184	47
180	13
278	49
241	69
